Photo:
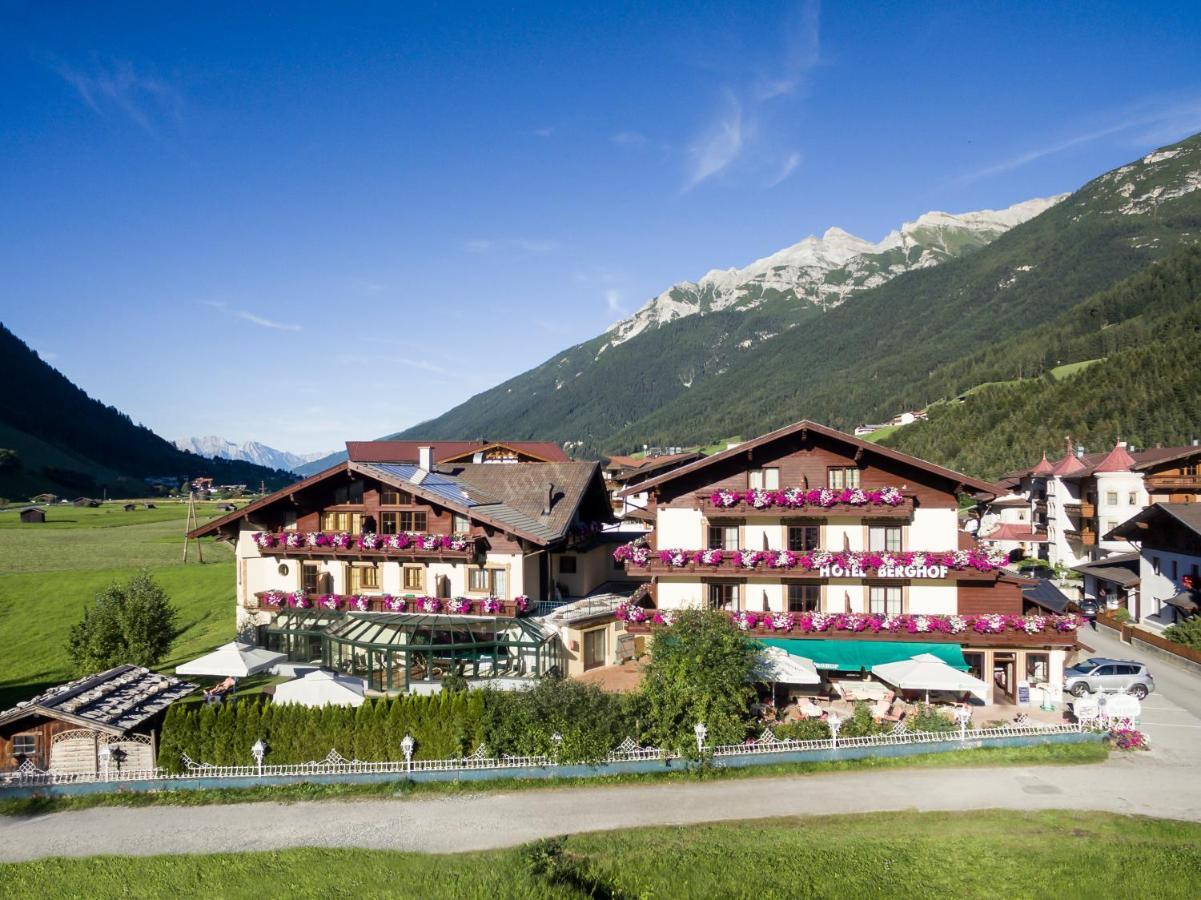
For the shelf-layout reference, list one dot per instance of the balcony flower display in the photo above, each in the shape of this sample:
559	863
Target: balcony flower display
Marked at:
298	600
393	604
264	540
491	606
458	606
359	603
399	541
273	599
371	541
294	540
428	604
329	540
521	603
799	498
858	623
850	562
329	601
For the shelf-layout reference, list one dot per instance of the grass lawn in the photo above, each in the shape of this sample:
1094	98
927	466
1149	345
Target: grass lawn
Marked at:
977	854
52	570
1047	754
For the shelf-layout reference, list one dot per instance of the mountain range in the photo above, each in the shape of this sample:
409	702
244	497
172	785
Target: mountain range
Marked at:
251	451
842	331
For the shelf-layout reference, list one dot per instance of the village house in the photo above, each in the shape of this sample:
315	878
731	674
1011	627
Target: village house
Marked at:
108	719
33	515
1168	541
402	569
622	473
1080	498
806	524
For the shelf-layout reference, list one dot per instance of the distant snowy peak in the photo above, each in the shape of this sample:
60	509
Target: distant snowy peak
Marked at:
825	271
251	451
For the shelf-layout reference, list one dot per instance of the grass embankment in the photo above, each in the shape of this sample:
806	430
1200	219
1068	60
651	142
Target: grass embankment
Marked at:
52	570
978	854
1047	754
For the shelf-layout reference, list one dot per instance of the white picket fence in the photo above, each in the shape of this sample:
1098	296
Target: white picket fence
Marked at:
334	763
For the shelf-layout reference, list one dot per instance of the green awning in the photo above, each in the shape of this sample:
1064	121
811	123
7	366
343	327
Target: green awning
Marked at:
855	656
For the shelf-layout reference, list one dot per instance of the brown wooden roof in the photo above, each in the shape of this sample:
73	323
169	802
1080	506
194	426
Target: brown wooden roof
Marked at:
972	485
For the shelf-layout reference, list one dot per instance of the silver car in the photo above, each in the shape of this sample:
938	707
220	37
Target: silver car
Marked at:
1101	675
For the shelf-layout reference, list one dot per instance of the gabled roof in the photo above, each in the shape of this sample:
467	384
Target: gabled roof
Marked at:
1045	594
1117	460
1015	531
645	468
1119	568
113	702
974	485
507	497
1184	515
1142	460
448	451
1044	466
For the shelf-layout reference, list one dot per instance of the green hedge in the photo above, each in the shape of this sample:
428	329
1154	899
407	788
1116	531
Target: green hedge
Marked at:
444	725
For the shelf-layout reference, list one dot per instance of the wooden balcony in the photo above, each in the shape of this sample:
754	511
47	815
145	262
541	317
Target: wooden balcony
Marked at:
903	511
1050	639
355	552
377	603
1174	482
1081	510
1087	537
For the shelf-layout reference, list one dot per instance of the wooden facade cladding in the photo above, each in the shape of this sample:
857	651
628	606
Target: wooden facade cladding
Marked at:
983	598
1048	640
901	512
804	459
43	728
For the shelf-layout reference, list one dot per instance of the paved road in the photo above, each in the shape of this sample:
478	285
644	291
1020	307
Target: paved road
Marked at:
1160	783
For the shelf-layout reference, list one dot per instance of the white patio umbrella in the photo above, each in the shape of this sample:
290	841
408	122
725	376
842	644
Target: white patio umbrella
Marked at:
778	666
320	688
235	658
926	672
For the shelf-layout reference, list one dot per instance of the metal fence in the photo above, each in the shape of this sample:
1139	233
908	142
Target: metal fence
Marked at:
628	751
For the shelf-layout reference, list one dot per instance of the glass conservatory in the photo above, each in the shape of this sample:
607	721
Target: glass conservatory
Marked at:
392	651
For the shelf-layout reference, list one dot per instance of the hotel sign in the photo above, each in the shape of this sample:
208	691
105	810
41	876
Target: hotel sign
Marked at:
854	571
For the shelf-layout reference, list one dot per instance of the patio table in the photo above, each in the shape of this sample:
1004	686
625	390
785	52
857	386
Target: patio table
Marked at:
861	690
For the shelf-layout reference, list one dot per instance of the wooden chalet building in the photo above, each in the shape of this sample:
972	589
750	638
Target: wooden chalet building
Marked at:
357	565
1168	538
807	523
66	729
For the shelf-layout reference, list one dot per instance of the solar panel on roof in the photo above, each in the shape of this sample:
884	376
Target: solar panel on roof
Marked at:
433	482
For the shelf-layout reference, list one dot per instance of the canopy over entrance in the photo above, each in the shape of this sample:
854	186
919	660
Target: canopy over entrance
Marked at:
234	658
861	656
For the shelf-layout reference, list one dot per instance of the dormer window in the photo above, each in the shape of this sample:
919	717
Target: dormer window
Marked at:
763	479
842	478
348	494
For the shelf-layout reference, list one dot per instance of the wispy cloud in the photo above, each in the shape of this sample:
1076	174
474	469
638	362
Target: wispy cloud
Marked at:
742	126
529	246
544	132
613	302
215	304
147	100
1154	122
266	323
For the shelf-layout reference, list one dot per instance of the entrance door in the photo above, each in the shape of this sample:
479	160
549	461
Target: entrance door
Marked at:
594	648
1003	675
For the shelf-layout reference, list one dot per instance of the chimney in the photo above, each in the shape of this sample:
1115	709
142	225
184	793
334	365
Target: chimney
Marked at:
1080	451
425	458
477	457
550	498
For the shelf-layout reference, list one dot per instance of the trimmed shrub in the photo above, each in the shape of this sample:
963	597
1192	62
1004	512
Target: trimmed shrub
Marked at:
803	730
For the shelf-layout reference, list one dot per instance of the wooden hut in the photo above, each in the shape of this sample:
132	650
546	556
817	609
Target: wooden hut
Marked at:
129	507
32	515
64	729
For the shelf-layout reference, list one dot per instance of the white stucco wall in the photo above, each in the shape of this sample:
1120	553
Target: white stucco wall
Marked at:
679	528
933	598
1110	515
934	529
1156	588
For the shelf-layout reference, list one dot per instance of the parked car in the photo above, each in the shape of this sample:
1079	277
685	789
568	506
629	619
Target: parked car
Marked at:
1101	675
1089	608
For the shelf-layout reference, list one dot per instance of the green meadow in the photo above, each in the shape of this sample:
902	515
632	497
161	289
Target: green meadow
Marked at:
49	571
904	854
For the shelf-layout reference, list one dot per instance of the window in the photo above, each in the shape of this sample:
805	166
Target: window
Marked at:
842	477
763	479
460	524
342	521
1155	564
397	522
884	600
25	744
804	537
1132	498
413	578
364	578
310	576
723	596
350	493
1111	498
492	582
804	597
1038	668
394	497
594	648
723	537
289	521
884	537
1175	569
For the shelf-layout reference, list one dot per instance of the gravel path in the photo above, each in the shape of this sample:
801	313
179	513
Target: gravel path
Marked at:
449	824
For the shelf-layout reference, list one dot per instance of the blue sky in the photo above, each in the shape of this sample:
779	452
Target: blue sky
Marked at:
301	226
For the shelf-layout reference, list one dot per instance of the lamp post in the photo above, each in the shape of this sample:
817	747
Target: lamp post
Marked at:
105	755
964	715
835	724
259	750
700	731
406	747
